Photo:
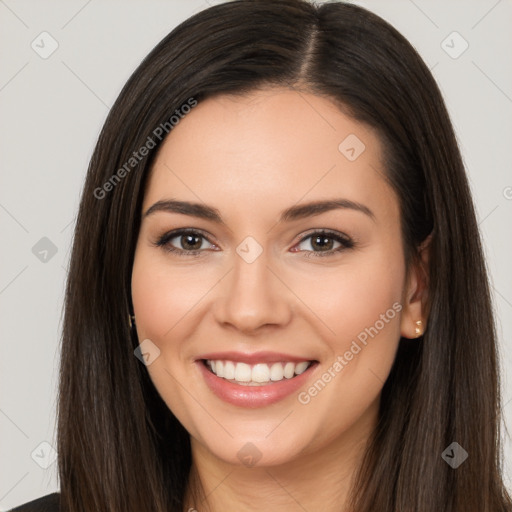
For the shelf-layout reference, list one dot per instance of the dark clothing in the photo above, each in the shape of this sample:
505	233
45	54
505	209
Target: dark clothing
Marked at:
48	503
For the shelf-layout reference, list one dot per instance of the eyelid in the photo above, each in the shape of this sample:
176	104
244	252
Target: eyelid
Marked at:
322	231
164	239
345	241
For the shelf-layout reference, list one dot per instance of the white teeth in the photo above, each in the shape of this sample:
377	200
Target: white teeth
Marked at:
229	370
301	368
289	370
242	372
277	372
258	374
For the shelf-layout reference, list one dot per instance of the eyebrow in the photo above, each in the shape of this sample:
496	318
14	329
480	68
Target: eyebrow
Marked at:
295	212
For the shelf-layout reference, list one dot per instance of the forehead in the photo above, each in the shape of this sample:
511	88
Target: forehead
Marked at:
266	150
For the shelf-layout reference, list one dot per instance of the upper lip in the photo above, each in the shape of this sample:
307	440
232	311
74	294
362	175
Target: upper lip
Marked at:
253	358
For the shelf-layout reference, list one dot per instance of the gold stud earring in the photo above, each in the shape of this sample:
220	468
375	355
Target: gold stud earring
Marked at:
131	321
419	328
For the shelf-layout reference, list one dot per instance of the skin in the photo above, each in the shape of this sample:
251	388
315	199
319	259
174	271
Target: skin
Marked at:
251	157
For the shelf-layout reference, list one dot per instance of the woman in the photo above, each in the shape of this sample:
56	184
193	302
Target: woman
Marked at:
277	224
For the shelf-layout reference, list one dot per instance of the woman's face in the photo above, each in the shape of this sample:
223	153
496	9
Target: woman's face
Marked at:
265	292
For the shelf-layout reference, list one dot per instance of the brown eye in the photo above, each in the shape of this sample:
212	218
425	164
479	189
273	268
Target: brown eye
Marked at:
190	241
322	243
183	242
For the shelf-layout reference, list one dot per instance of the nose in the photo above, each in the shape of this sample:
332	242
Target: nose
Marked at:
253	296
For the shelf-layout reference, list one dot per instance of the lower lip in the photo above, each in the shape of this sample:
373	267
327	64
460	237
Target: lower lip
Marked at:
253	396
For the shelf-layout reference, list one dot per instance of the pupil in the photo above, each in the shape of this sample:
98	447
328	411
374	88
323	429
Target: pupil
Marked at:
187	238
323	241
319	241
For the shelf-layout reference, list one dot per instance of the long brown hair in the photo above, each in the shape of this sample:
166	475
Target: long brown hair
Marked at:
120	447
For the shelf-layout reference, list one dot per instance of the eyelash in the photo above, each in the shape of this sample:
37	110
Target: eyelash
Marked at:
346	243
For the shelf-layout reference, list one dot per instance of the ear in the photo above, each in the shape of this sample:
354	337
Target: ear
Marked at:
414	299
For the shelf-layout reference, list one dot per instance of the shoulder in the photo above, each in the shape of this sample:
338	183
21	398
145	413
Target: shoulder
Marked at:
48	503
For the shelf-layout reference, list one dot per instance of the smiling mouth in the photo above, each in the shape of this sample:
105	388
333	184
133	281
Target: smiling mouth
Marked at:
260	374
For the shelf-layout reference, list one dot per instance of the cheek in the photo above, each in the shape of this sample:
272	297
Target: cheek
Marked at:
361	306
354	297
346	300
363	311
164	294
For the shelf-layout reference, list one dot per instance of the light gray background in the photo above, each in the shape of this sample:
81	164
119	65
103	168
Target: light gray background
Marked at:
51	113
